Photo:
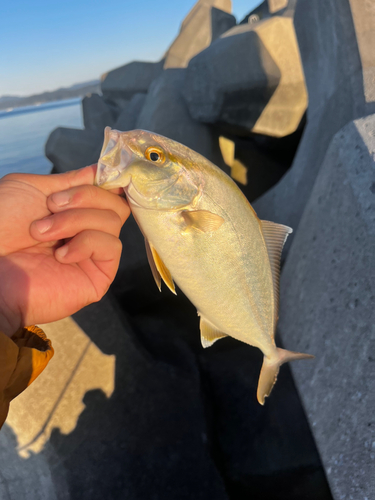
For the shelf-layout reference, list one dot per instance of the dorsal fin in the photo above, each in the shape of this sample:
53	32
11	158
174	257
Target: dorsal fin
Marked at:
275	236
162	269
209	332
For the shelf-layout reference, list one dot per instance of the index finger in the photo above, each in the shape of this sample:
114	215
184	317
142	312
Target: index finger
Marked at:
52	183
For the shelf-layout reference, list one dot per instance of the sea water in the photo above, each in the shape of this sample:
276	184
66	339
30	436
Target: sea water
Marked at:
24	132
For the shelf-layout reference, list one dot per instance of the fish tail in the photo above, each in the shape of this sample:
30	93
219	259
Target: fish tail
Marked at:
270	370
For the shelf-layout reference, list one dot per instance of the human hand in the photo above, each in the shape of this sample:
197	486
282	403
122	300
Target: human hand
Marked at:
55	257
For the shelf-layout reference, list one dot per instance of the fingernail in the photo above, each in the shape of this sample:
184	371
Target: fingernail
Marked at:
62	251
61	199
43	225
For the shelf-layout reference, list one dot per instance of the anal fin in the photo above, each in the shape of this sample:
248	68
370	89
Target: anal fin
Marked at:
209	333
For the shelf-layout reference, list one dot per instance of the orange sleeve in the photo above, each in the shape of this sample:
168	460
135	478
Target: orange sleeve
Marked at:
22	358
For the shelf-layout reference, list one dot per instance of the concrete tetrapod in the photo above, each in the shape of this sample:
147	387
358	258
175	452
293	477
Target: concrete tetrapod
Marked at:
250	80
207	20
327	306
70	148
122	83
335	39
96	113
165	112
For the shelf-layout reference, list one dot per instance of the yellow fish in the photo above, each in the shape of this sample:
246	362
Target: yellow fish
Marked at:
202	233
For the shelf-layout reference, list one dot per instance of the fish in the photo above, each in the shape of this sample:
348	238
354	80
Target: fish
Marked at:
202	234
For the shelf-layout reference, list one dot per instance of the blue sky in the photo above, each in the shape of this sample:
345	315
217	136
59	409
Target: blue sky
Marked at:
46	44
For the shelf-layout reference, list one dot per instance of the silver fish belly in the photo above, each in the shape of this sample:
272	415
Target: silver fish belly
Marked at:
223	273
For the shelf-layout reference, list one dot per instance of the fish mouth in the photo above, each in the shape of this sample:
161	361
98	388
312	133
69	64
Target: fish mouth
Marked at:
114	158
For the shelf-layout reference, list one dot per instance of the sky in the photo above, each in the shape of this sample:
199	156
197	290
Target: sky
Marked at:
47	44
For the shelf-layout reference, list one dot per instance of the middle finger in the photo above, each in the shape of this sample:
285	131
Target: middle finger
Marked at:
71	222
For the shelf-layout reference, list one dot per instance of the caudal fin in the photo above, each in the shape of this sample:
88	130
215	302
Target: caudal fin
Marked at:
270	370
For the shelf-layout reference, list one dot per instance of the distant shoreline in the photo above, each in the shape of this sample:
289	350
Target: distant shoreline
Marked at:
34	108
76	91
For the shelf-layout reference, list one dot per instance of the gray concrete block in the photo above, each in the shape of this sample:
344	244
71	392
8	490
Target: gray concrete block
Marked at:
327	308
250	80
198	29
221	22
255	15
122	83
231	81
269	8
96	113
332	44
258	165
137	431
128	117
165	112
277	5
69	148
364	22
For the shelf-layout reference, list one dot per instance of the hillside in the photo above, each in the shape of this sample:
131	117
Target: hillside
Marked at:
77	90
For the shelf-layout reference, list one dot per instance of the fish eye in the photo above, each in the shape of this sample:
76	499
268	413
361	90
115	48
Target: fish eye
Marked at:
155	154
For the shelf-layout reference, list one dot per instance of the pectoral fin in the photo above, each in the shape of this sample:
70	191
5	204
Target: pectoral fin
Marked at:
202	220
158	268
209	333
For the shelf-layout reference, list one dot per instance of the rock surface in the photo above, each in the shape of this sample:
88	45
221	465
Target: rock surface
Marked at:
69	148
269	8
265	452
198	29
147	440
276	5
128	117
96	113
122	83
260	161
328	309
250	80
331	59
220	22
165	112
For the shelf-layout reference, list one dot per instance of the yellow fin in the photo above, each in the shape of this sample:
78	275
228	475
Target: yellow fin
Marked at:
161	269
275	236
155	272
270	370
202	220
209	332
